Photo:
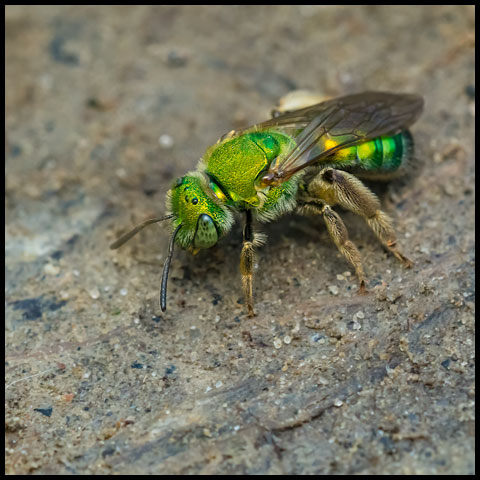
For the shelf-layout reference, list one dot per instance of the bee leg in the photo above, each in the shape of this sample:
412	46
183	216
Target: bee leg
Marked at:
336	187
246	263
338	231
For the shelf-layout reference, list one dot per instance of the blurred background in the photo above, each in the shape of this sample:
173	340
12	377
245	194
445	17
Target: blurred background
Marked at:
105	107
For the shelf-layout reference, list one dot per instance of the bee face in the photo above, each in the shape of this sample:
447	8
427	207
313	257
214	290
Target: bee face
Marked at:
203	218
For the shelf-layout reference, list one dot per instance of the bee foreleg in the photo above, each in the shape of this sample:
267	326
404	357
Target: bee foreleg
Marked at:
246	263
336	187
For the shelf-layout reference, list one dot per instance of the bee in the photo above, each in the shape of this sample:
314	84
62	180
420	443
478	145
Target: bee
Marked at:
307	160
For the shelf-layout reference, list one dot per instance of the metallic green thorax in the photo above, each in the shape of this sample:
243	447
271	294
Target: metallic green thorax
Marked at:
236	163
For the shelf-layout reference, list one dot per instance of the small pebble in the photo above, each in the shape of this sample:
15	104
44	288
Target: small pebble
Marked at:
165	141
322	381
94	292
277	343
50	269
287	339
360	314
315	337
333	289
338	402
218	384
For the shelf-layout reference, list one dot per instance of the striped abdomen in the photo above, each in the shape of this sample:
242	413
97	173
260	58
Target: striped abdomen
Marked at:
381	155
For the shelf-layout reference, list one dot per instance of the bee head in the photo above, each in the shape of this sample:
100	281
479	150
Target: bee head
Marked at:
199	219
201	214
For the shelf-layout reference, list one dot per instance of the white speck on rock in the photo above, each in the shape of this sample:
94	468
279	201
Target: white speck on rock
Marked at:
166	141
333	289
50	269
94	292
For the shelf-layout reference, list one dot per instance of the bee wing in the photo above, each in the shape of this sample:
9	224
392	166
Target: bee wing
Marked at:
346	121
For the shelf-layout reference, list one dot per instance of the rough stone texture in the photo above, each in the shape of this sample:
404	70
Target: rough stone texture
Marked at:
105	106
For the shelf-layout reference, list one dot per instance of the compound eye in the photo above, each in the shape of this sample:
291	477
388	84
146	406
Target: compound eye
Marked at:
206	235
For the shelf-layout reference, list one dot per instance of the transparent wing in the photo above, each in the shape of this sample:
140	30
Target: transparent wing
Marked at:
340	123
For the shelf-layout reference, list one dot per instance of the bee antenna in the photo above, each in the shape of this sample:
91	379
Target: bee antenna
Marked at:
166	268
125	238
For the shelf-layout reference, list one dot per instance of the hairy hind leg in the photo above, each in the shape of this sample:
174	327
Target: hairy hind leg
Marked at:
336	187
339	234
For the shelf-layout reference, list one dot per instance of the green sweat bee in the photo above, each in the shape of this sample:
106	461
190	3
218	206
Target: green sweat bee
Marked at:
306	160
